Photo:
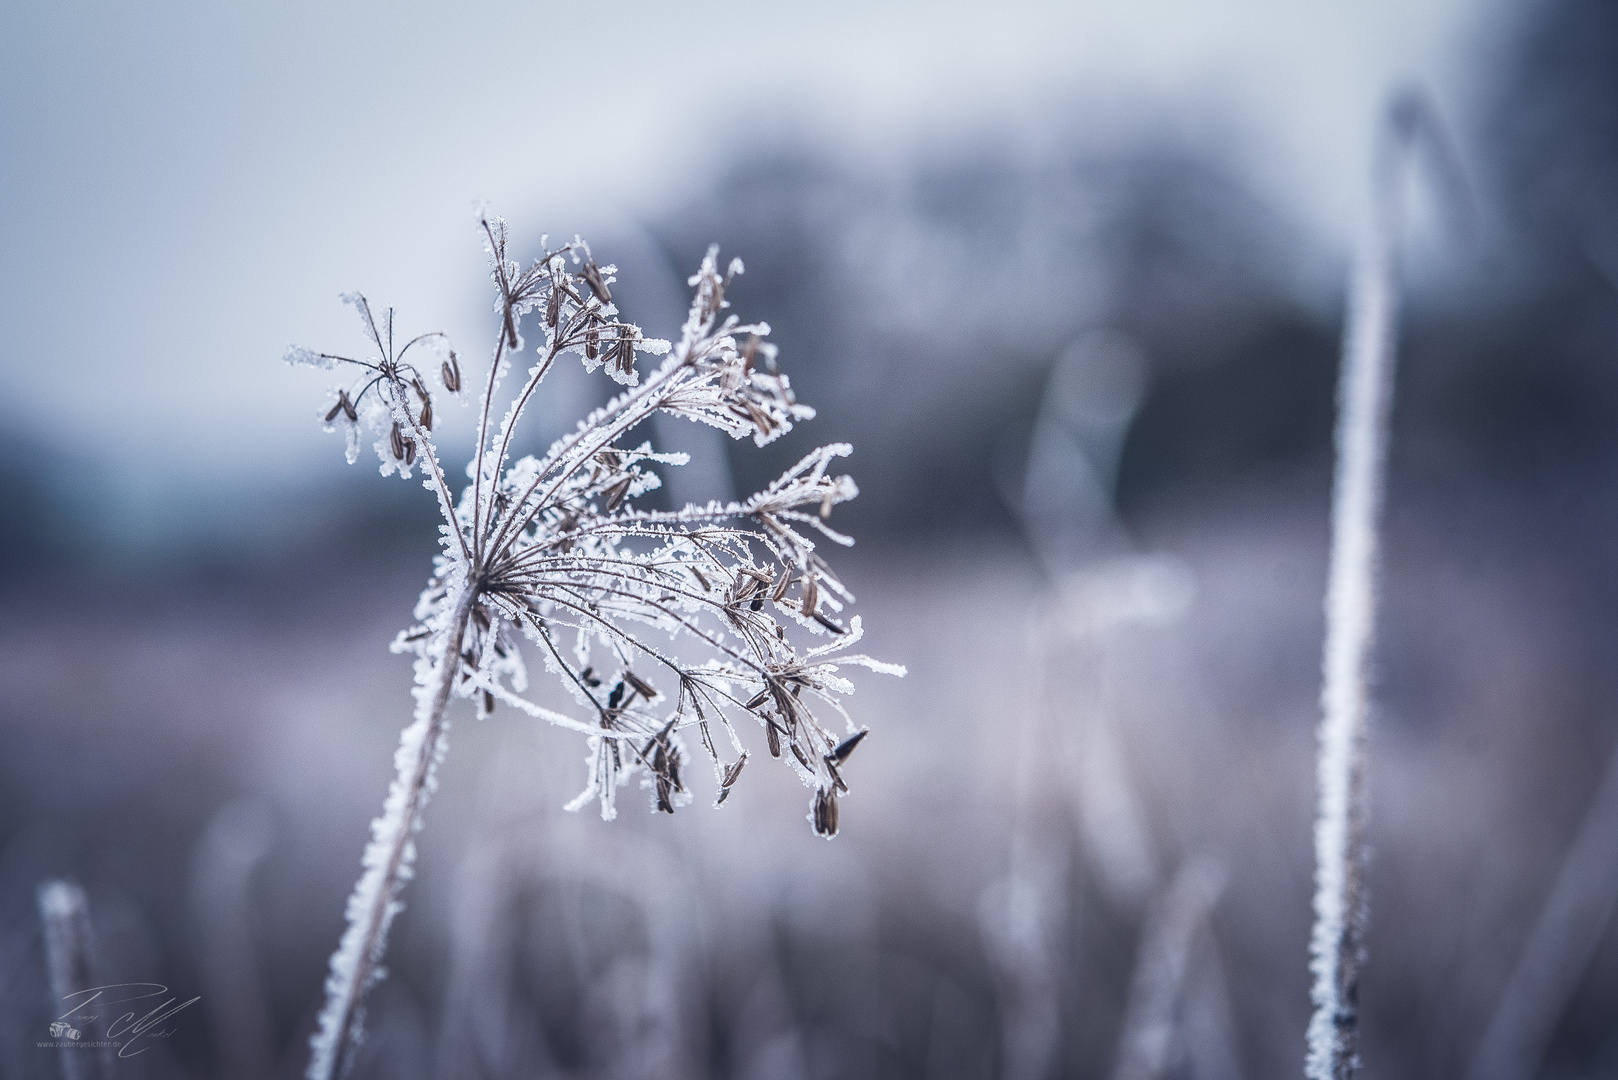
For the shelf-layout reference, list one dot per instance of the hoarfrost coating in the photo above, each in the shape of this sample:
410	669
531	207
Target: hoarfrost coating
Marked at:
553	553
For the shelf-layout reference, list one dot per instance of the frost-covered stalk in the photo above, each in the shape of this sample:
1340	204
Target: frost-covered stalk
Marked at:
70	964
552	551
1364	400
389	859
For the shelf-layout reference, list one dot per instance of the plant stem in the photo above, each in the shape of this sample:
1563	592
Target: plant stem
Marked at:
1364	400
388	863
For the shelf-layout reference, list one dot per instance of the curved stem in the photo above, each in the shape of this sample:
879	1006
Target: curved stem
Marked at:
355	966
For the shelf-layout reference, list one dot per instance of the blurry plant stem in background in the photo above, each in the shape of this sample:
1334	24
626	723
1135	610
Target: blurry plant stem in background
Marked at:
1559	948
230	849
71	966
1364	403
1147	1042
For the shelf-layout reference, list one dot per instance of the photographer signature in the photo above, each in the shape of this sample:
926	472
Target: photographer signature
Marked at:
133	1026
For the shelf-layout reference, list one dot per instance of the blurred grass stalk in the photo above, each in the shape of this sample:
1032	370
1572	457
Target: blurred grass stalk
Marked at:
70	967
1364	404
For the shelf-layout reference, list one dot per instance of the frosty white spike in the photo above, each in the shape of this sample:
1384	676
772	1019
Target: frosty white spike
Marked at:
541	547
1364	400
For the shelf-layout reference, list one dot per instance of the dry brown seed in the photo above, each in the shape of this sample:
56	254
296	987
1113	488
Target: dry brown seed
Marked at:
828	624
642	687
781	585
396	442
598	284
798	753
427	415
592	343
626	354
450	372
700	579
811	595
733	771
410	453
826	813
553	307
758	699
420	388
347	407
846	747
616	493
724	793
335	409
772	739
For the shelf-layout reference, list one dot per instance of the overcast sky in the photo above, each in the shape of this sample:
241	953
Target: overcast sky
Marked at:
184	189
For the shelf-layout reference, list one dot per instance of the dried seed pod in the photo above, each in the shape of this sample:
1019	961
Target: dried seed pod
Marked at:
598	283
758	699
410	453
616	493
592	343
488	702
841	751
553	307
642	687
450	372
511	328
781	585
626	354
826	812
700	579
772	738
798	753
427	415
420	388
828	624
396	442
335	409
811	595
733	771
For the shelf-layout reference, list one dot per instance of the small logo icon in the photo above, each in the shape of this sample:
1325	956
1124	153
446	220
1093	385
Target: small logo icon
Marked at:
61	1029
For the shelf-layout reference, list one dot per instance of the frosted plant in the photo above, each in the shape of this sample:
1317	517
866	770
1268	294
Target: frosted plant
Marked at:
1364	402
660	624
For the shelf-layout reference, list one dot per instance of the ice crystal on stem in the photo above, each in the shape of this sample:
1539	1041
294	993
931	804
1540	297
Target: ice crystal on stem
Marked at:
660	623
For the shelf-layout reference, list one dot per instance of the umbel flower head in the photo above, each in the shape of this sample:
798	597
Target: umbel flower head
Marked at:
663	625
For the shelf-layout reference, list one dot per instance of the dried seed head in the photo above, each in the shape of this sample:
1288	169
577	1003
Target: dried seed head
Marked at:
598	284
427	414
450	372
840	753
828	624
348	407
410	453
335	409
553	306
592	343
811	595
626	354
772	738
616	493
642	687
825	812
733	772
396	442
